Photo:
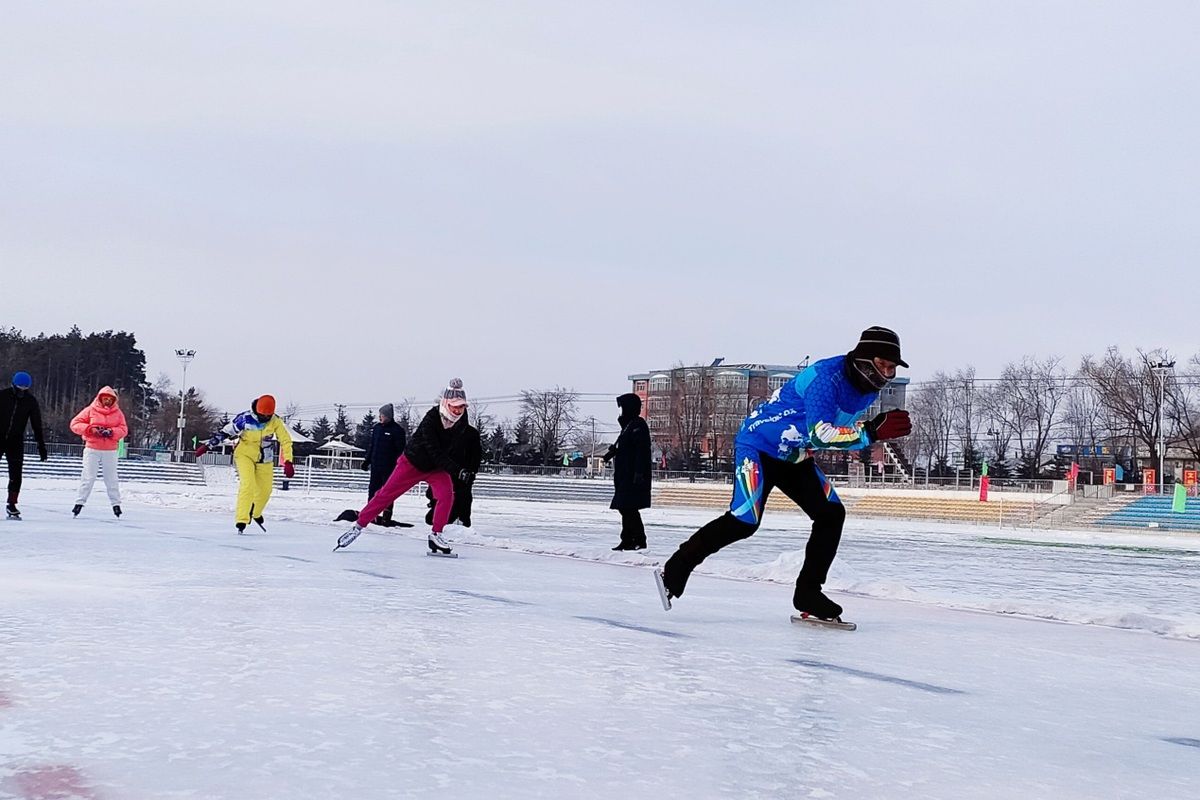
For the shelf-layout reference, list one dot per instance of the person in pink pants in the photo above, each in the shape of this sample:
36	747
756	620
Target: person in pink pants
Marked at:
426	458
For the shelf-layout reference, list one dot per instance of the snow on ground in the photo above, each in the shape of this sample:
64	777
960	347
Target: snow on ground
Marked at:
163	656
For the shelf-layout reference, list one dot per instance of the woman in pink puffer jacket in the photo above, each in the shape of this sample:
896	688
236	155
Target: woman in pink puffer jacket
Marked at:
102	426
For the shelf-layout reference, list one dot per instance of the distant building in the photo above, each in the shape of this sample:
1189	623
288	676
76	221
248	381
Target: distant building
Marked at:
697	410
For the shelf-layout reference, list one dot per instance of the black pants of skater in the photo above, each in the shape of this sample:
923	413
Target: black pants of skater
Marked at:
374	484
800	482
14	452
460	512
633	531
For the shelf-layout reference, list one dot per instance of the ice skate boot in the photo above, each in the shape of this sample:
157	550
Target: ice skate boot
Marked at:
347	538
75	511
439	546
815	608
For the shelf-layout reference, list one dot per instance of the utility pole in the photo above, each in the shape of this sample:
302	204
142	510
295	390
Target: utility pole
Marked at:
1161	367
185	357
592	459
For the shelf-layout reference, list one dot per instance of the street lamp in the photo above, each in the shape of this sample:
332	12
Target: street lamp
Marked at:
185	357
1161	367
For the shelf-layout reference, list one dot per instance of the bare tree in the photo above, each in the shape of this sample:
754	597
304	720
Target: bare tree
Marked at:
1087	422
1029	396
999	436
200	419
965	415
931	406
482	417
691	412
1129	389
730	405
551	415
1183	411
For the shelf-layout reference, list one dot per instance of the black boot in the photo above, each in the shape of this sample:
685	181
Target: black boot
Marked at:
13	511
75	511
241	527
117	511
813	601
260	522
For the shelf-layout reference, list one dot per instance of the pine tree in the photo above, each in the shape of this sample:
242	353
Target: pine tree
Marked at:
341	426
362	435
322	430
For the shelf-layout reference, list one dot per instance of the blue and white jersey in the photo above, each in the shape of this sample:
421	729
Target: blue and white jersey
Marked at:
245	421
819	409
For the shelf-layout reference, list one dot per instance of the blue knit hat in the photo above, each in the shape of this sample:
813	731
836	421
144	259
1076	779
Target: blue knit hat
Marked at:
22	380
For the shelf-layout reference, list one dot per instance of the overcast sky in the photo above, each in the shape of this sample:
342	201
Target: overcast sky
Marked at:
352	202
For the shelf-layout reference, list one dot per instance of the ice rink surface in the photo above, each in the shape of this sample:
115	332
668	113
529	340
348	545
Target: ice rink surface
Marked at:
163	656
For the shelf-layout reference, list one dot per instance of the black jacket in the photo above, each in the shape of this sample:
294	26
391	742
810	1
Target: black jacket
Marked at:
17	409
387	444
431	445
467	451
631	466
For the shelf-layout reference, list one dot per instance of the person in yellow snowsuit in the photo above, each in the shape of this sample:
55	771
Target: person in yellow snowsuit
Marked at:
263	436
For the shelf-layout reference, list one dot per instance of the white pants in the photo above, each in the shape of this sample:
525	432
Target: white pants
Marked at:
93	460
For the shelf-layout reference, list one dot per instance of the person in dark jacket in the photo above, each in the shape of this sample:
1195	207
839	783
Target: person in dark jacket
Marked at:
426	458
17	408
631	472
387	445
468	452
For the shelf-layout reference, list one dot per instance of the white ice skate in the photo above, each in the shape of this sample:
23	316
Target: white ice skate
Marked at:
439	546
347	538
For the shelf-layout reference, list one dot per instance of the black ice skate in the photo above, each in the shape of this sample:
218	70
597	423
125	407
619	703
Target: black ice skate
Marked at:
12	511
440	547
241	527
75	511
260	522
117	511
817	609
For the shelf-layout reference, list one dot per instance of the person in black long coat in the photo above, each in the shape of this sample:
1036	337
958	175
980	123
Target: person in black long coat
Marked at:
631	472
17	408
387	445
466	450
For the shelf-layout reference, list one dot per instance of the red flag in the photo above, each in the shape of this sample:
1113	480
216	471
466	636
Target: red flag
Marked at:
983	488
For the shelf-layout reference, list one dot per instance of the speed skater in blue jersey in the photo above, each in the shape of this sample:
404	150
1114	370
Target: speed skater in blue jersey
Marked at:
819	409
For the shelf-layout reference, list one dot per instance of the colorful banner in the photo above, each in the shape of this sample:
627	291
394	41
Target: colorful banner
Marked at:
1189	477
1150	481
1110	475
983	484
1179	504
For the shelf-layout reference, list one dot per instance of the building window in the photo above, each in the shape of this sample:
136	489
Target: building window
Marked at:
660	383
733	382
776	382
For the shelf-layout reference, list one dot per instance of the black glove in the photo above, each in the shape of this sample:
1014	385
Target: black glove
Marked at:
466	476
106	433
889	425
42	452
612	452
365	466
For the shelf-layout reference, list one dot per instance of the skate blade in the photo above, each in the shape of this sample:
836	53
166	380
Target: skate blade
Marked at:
808	619
441	555
662	590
